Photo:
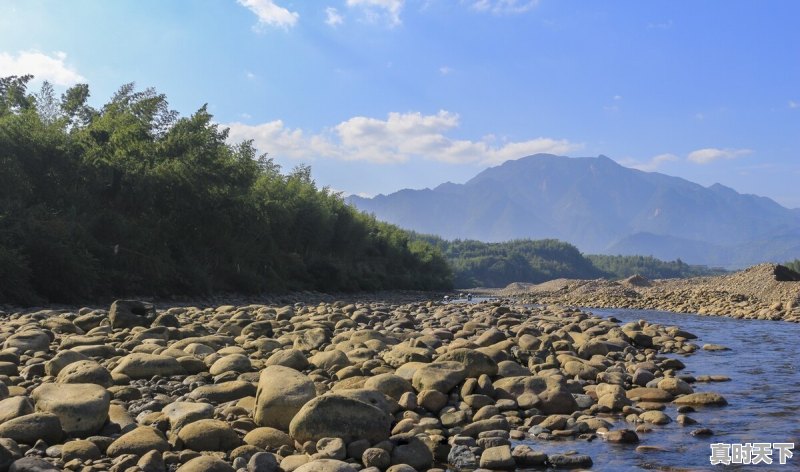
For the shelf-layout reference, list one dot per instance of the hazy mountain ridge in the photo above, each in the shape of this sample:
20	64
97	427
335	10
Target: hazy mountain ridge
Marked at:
601	207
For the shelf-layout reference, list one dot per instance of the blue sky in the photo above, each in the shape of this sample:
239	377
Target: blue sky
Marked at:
379	95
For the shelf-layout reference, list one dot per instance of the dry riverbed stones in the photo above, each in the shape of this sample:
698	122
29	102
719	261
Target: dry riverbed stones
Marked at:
375	386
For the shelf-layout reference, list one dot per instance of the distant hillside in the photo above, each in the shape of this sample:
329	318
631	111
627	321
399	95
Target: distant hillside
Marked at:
601	207
478	264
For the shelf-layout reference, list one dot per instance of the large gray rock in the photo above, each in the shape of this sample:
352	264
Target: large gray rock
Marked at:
557	401
180	414
14	407
282	391
702	398
231	363
268	438
440	376
62	359
335	416
370	397
144	366
140	441
498	458
79	340
312	339
206	464
476	362
209	435
330	360
461	458
81	408
326	465
130	313
32	464
391	385
413	452
85	372
224	392
288	358
30	428
28	340
263	462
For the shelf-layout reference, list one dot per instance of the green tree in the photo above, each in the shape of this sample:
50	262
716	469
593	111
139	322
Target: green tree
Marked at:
132	199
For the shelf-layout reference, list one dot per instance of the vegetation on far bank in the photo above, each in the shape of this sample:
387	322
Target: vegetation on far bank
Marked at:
793	265
133	199
479	264
650	267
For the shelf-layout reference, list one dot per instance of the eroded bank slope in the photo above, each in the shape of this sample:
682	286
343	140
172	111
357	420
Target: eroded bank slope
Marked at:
765	291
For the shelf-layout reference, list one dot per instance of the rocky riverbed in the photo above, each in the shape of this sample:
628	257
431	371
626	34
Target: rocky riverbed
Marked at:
764	292
340	386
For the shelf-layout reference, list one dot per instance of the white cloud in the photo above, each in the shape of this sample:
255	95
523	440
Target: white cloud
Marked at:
270	14
399	138
43	67
653	164
793	104
444	70
504	6
376	10
707	155
278	140
333	17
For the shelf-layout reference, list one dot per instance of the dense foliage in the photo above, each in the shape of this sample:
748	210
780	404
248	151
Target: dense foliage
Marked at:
133	199
479	264
482	264
794	265
650	267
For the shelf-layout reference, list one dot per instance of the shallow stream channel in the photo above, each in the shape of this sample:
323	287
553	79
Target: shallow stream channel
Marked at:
763	398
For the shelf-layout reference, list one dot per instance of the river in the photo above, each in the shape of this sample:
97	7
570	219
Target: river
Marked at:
763	397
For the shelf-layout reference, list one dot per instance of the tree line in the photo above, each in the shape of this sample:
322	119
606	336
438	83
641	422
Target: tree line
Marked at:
480	264
132	199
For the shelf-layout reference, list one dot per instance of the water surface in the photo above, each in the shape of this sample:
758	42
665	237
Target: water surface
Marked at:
763	396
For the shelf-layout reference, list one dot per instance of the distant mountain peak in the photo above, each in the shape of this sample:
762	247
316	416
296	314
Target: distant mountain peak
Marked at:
601	207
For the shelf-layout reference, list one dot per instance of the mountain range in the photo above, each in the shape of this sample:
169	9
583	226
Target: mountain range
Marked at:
601	207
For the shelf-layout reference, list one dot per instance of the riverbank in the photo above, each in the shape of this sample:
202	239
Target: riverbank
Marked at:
340	386
764	292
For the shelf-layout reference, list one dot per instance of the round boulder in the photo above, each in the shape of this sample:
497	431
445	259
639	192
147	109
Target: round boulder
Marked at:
231	363
268	438
140	365
130	313
476	362
29	340
88	371
335	416
326	465
282	391
81	408
209	435
140	441
62	359
441	376
206	464
30	428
